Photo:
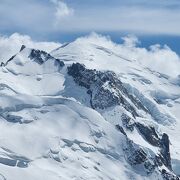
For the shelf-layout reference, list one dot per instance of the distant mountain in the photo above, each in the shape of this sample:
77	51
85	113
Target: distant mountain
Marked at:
88	111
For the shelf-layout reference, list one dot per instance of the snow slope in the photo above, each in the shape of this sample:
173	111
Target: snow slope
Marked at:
57	123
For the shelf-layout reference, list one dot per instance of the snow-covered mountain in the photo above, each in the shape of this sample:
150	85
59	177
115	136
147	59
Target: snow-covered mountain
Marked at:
90	109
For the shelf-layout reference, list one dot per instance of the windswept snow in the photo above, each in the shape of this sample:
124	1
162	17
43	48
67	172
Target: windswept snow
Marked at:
49	130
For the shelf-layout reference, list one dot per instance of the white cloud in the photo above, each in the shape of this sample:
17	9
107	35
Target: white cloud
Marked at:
62	10
95	38
135	19
12	44
57	16
159	58
130	41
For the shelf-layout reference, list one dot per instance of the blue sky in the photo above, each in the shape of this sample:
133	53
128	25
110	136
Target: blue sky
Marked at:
66	19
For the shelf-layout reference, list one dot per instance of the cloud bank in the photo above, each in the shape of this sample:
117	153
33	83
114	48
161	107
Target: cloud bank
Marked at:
62	11
159	58
40	18
12	44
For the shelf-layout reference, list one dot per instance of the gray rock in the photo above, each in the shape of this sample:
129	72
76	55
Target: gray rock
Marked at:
128	123
149	134
105	88
41	56
22	47
135	154
120	129
169	175
165	151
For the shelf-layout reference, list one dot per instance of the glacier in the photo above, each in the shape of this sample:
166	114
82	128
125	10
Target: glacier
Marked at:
89	109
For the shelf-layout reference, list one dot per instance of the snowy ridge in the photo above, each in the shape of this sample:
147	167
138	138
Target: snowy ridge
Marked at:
87	111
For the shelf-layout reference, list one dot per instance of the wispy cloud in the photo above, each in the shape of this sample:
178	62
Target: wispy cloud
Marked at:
12	44
158	58
62	10
130	19
55	16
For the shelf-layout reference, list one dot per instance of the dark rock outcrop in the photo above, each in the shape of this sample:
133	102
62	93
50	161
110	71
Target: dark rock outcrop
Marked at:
127	122
169	175
41	56
22	47
105	88
136	156
151	136
38	56
4	64
120	129
149	166
165	151
149	133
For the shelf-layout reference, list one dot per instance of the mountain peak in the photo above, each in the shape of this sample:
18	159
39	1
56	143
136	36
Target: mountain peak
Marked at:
33	61
22	47
87	105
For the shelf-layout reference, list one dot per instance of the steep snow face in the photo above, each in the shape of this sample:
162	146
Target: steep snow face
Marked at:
47	136
61	136
101	53
29	71
85	111
23	63
156	88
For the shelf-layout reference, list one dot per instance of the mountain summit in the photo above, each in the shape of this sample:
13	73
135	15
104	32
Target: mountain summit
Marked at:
89	109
